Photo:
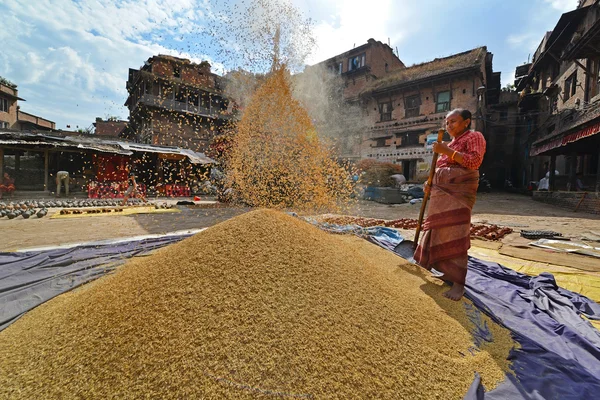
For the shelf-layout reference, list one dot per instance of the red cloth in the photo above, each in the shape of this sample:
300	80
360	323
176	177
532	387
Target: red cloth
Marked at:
7	185
8	182
446	237
471	145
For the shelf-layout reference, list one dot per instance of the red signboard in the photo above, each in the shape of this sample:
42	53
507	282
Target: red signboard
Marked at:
565	140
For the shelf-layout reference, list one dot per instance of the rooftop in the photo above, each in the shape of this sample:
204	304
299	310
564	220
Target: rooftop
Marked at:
457	62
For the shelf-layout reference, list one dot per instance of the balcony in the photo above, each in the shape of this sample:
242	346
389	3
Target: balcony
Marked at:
149	100
584	43
529	101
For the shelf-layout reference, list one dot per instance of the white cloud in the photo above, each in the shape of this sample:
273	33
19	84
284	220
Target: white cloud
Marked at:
529	41
78	53
352	22
563	5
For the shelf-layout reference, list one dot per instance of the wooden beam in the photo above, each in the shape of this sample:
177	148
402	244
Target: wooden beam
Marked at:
581	65
46	156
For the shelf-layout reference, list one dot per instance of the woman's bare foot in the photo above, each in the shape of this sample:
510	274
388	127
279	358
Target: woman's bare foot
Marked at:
456	292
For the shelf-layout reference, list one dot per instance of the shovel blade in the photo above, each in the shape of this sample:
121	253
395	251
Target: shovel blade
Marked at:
406	250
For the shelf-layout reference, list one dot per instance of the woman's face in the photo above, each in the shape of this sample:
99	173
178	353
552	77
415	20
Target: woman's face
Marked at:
455	124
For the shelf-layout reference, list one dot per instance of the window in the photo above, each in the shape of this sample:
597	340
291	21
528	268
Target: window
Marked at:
340	66
177	72
3	105
3	125
166	91
385	111
411	106
356	62
381	142
443	101
181	96
570	86
193	99
408	139
147	87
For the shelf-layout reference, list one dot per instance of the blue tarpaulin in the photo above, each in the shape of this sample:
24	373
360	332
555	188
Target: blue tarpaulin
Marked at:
28	279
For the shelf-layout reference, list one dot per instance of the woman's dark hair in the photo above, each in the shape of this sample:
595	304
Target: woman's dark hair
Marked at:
464	114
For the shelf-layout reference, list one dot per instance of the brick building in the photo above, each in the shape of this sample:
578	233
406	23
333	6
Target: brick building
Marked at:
173	101
11	116
409	104
362	65
114	128
348	74
560	102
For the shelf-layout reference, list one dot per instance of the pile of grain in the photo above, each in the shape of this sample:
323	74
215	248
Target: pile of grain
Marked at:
261	305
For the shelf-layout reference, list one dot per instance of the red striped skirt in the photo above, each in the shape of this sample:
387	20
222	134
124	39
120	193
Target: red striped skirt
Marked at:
446	231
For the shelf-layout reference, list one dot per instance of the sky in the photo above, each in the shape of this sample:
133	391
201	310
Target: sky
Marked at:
70	58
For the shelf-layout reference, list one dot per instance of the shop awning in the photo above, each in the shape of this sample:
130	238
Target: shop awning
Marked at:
564	140
24	138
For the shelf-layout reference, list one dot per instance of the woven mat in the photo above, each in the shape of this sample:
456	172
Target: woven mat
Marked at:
126	211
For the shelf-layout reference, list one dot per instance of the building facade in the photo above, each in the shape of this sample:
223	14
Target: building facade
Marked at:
505	146
111	127
351	71
560	103
11	116
409	106
175	102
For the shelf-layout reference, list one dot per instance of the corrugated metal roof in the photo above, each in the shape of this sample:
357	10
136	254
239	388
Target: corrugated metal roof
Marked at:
98	144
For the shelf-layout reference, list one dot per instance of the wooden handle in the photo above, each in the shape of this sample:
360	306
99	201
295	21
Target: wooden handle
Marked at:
426	196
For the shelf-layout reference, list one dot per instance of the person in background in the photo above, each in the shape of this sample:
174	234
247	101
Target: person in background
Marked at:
62	177
7	185
447	228
578	183
132	189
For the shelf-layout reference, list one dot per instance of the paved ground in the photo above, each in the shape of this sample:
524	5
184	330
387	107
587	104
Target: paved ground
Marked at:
508	209
513	210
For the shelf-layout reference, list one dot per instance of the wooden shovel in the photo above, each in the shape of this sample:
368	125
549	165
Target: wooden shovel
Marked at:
407	248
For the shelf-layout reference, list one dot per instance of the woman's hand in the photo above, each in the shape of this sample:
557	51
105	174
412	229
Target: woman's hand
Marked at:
426	189
442	148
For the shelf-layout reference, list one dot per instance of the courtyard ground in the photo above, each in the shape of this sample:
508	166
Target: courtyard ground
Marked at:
506	209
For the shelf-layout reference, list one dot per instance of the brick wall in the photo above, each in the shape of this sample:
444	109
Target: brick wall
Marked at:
173	129
110	128
579	88
34	119
570	200
189	73
11	115
462	95
377	55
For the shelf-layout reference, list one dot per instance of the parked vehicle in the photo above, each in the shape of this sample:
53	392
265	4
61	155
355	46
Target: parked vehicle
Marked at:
484	184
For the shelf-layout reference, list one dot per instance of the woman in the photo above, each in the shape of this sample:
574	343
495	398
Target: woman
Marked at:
447	228
7	185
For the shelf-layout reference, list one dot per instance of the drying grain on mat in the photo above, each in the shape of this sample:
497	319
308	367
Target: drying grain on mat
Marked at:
261	305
